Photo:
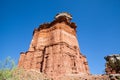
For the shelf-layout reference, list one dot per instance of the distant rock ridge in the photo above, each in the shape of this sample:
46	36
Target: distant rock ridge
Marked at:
112	64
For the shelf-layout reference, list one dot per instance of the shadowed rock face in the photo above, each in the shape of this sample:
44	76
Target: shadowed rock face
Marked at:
54	50
112	64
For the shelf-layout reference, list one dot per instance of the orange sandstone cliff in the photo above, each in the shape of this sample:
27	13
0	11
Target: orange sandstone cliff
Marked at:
54	49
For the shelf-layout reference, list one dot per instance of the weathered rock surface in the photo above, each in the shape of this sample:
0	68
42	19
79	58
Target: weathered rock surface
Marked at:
112	64
21	74
86	77
54	50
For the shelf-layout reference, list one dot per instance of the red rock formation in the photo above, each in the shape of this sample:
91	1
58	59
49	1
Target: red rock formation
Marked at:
54	49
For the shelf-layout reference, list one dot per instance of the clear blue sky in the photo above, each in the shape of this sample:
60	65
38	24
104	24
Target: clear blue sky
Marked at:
98	24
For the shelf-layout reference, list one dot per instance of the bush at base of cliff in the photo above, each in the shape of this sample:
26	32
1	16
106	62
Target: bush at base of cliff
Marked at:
8	71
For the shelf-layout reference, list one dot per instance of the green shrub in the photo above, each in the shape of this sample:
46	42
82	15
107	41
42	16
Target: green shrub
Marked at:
8	71
7	68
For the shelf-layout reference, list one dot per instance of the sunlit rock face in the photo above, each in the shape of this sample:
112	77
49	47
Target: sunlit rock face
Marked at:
54	49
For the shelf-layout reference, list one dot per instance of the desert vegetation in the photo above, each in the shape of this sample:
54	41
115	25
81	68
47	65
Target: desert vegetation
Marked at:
9	71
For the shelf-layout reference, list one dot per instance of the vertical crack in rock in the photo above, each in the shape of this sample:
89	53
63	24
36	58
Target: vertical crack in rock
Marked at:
43	58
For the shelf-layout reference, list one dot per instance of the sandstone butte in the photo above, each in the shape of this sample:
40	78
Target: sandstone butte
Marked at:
54	51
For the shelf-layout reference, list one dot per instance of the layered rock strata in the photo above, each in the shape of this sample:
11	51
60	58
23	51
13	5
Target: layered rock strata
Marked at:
54	49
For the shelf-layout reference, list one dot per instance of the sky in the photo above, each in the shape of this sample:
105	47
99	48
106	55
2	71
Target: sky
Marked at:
98	26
